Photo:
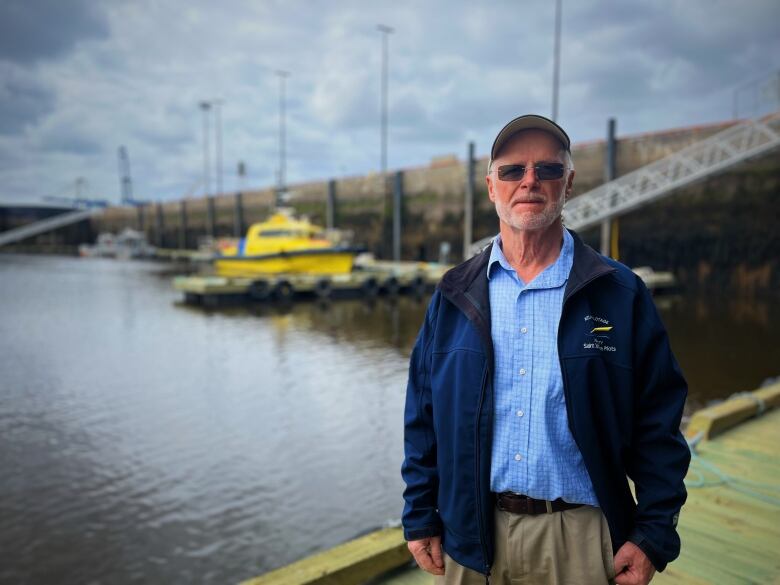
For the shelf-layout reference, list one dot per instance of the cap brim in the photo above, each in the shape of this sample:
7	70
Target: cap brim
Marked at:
529	122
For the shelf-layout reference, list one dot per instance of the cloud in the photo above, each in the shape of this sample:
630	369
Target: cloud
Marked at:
24	98
90	77
45	29
646	57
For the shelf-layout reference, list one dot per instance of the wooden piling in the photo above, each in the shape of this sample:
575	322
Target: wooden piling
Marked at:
182	225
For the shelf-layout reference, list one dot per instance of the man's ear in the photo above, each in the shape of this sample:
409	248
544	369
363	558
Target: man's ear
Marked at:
569	183
490	186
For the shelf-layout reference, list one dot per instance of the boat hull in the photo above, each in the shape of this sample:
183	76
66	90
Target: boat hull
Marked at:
326	261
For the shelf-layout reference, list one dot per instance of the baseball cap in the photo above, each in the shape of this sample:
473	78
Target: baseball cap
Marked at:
528	122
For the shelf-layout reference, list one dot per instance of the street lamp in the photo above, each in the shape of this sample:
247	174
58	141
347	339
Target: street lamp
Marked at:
217	103
386	31
282	188
556	59
206	106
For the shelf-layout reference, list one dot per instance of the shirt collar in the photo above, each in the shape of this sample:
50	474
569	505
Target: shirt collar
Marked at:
553	276
497	255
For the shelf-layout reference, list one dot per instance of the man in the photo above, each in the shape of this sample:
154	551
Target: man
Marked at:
541	379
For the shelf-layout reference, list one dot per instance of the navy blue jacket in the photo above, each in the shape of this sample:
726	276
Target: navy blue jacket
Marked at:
624	399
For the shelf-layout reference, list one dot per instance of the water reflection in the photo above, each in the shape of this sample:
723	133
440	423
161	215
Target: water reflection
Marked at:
390	322
724	345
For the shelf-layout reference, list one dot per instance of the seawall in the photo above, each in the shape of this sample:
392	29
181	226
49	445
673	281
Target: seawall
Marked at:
716	233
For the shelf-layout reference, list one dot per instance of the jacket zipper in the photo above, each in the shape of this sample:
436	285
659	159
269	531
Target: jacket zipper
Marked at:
478	491
480	520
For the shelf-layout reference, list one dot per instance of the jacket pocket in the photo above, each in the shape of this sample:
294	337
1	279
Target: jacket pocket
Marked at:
457	502
602	398
456	383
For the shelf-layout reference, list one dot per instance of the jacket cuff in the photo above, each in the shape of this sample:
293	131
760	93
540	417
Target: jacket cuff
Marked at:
424	532
639	539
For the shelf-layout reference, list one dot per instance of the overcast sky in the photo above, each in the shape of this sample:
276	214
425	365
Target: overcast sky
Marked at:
79	78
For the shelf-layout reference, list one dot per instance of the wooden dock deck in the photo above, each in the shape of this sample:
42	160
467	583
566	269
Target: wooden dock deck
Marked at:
730	525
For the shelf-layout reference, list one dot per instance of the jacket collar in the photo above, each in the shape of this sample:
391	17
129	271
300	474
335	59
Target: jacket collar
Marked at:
466	285
588	265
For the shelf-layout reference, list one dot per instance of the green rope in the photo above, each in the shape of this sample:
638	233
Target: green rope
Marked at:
736	483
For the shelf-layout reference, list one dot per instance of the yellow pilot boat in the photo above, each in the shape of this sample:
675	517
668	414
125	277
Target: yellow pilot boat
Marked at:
284	244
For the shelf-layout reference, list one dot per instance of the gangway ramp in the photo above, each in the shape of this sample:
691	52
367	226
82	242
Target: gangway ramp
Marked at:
45	225
656	180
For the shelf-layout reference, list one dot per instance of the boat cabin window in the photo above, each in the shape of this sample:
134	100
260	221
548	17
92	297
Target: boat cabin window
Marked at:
280	234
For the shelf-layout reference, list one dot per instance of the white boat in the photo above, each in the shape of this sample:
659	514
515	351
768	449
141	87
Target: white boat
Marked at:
128	244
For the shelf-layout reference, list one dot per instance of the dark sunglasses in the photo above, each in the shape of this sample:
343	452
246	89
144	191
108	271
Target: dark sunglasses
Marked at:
544	171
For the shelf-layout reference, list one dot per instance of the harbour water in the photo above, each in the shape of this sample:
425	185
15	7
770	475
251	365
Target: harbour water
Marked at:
145	441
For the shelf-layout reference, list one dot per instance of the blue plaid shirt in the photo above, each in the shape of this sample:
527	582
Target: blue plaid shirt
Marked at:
534	452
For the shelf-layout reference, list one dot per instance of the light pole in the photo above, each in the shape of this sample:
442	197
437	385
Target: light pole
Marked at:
556	59
386	31
206	106
217	103
283	75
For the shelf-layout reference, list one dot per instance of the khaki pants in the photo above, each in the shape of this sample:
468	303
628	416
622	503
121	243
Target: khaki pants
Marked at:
562	548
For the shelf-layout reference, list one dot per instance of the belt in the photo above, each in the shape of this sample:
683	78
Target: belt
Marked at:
519	504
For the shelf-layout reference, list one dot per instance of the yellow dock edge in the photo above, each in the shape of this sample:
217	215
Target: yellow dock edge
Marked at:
351	563
711	421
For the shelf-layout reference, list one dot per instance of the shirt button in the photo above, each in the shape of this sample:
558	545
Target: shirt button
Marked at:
522	371
524	330
518	457
520	413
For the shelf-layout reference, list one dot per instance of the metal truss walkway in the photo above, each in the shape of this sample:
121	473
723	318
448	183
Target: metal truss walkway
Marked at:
661	178
44	225
658	179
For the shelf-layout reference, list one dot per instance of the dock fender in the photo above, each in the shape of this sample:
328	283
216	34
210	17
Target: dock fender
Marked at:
392	286
259	290
370	287
418	285
284	291
323	289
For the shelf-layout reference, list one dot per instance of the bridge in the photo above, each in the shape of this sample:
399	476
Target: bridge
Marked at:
45	225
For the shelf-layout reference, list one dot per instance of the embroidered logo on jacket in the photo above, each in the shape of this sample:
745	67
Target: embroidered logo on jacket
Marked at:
599	335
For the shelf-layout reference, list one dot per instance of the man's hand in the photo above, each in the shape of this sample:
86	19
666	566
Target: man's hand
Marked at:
632	567
427	553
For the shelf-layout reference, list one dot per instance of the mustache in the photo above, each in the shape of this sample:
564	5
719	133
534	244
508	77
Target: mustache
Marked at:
532	198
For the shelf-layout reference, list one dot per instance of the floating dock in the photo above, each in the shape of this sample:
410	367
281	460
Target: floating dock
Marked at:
367	280
730	525
181	255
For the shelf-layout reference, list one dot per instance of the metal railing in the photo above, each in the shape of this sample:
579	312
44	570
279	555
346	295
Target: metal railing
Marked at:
660	178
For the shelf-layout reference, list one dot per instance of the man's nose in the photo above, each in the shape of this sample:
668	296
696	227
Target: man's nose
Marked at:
529	177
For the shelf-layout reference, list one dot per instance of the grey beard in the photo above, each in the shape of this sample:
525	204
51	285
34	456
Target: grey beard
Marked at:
536	221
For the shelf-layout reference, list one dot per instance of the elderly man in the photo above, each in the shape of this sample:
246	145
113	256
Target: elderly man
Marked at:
542	379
